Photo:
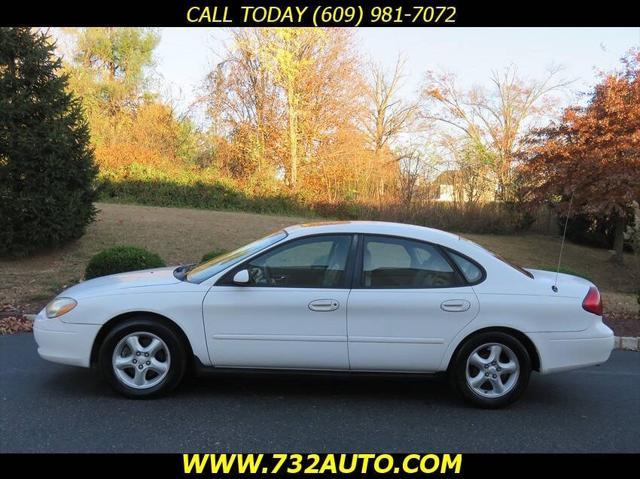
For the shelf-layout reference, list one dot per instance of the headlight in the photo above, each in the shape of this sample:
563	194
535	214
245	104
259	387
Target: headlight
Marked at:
60	306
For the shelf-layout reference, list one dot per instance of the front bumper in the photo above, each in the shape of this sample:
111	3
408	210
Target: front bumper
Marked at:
572	350
65	343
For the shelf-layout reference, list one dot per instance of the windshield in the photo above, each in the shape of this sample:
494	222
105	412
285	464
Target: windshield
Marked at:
212	267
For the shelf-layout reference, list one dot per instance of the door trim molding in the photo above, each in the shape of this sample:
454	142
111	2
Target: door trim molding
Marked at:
279	337
385	339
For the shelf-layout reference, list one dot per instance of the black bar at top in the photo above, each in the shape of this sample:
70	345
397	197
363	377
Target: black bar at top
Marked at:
468	13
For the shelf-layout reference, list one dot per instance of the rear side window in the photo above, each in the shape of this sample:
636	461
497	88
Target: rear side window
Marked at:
508	263
471	272
401	263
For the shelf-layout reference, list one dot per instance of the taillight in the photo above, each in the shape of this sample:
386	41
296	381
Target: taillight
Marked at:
592	301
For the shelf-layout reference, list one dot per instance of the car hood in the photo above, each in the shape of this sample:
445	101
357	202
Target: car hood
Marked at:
122	281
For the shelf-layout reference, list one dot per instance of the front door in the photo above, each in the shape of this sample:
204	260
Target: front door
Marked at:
408	305
292	314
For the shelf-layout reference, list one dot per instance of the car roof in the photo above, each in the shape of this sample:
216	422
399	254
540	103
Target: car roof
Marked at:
372	227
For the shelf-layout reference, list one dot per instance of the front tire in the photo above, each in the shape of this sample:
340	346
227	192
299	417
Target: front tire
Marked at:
491	370
142	358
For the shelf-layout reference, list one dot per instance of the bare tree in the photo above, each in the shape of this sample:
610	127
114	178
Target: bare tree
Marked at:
410	175
497	117
417	164
387	115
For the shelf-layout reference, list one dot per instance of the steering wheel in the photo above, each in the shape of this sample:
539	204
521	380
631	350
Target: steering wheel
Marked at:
259	275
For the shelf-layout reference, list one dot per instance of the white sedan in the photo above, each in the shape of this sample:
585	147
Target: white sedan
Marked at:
340	296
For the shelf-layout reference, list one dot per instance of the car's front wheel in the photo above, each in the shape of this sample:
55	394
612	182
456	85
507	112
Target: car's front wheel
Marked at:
491	369
142	357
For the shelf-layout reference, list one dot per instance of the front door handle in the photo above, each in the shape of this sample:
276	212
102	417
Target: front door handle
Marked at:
455	305
321	305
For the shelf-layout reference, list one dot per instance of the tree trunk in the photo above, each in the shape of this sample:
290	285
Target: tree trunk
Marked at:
618	238
293	139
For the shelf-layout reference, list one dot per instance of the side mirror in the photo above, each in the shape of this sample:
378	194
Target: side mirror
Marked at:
241	277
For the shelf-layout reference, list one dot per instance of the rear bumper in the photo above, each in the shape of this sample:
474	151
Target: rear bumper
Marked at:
572	350
64	343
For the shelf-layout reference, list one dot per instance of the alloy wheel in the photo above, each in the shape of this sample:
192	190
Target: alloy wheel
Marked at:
141	360
492	370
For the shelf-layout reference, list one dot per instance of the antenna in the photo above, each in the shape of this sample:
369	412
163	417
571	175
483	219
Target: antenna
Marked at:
564	234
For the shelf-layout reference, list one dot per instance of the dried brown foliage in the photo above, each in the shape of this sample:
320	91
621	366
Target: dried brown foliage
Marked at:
593	153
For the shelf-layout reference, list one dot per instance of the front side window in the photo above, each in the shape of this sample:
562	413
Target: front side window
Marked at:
206	270
402	263
315	262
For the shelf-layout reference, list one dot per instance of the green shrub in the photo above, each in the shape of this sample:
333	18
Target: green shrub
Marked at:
598	231
588	230
489	218
191	188
212	254
205	188
47	167
121	259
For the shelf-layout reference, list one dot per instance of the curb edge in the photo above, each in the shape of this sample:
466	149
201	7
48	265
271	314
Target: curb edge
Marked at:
628	343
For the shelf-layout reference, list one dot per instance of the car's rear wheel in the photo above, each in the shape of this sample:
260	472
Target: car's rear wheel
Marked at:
142	357
491	369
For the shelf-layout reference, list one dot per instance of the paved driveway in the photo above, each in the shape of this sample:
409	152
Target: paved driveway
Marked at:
49	407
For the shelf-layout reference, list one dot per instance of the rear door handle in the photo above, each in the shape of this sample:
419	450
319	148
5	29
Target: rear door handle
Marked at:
321	305
455	305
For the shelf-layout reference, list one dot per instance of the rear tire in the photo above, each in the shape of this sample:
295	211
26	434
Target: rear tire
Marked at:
491	370
142	358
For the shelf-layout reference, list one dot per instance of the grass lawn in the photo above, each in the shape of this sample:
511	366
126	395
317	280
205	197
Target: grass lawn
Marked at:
184	235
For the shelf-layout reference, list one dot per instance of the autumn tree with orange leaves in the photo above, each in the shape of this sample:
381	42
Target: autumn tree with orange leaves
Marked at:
593	153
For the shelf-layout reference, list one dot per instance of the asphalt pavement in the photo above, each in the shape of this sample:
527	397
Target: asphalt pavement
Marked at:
45	407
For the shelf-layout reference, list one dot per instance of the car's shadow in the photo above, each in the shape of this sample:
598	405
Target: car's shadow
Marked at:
393	389
84	382
319	386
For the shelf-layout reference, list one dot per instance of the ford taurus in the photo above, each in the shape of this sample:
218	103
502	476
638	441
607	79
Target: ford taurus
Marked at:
343	296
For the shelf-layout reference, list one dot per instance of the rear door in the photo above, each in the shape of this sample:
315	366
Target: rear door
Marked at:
408	303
